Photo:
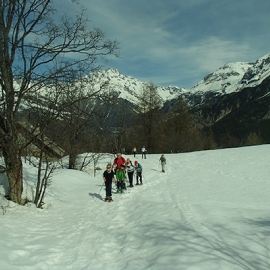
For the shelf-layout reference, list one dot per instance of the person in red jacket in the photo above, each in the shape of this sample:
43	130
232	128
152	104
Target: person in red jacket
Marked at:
118	161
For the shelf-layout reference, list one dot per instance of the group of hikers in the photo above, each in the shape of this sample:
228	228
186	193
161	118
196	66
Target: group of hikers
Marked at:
121	171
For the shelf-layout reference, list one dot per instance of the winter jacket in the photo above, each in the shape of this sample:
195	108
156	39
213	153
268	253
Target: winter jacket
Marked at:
130	167
121	175
108	175
118	162
138	167
163	160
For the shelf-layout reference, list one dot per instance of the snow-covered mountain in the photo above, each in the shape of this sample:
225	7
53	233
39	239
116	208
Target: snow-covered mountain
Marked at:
130	88
231	78
224	80
259	71
234	100
231	100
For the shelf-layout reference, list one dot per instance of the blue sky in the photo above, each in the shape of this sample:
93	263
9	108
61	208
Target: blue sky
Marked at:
178	42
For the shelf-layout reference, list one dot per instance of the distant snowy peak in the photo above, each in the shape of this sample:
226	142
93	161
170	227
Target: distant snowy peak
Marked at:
130	88
170	92
224	80
258	72
233	77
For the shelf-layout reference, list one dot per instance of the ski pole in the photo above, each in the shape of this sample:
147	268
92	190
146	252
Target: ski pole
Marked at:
144	178
114	187
101	187
128	190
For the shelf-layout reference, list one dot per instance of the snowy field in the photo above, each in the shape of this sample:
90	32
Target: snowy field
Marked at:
209	210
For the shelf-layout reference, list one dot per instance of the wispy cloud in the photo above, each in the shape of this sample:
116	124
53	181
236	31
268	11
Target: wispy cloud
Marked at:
179	42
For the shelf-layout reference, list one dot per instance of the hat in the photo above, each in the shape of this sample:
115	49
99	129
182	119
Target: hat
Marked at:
136	162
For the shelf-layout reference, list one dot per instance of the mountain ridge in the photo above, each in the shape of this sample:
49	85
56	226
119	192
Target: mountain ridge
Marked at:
231	77
232	100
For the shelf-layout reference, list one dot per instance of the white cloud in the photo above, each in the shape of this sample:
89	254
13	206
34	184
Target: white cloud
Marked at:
165	41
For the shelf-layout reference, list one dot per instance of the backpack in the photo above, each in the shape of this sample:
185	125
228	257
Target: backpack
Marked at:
163	159
139	168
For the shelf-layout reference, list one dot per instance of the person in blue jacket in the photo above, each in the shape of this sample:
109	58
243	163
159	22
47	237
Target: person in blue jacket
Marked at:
138	169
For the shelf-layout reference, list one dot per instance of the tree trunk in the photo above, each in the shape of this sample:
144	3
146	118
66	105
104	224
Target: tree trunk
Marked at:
14	172
72	159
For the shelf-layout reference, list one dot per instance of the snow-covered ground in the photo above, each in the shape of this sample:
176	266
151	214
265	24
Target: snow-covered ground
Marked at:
209	210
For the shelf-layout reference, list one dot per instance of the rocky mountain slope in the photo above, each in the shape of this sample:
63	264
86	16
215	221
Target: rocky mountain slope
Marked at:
130	88
231	100
235	103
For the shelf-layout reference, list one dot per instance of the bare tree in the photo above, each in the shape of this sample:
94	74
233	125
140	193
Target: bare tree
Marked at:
81	119
45	171
38	49
89	158
76	117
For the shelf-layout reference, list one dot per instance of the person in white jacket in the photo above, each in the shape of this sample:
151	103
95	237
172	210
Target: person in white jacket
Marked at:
143	152
130	171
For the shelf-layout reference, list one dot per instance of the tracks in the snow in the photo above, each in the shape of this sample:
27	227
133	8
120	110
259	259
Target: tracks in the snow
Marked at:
205	235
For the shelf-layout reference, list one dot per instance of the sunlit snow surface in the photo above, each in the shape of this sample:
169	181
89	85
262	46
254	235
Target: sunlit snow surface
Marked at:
209	210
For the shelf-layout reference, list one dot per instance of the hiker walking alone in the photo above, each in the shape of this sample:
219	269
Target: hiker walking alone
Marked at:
163	162
108	177
138	169
130	172
143	150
